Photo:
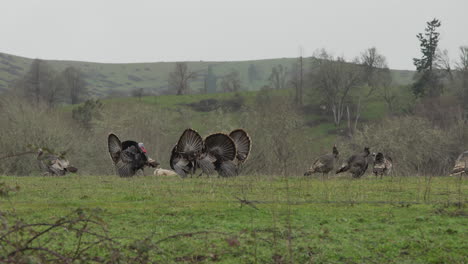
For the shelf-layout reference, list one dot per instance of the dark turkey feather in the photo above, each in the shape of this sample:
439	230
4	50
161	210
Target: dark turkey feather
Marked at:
227	169
242	142
180	164
221	146
206	163
324	164
115	146
128	156
357	164
190	144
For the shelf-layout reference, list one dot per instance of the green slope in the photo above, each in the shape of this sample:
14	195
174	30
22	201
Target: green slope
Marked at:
107	79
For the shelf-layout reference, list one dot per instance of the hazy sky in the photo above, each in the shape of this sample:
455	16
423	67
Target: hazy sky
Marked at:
179	30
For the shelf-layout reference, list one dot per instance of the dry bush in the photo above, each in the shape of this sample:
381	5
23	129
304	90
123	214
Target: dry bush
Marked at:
273	123
23	124
414	144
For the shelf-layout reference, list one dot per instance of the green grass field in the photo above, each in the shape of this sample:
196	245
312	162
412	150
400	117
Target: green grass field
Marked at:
295	219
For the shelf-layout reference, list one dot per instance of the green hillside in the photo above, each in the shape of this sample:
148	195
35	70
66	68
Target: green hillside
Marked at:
107	79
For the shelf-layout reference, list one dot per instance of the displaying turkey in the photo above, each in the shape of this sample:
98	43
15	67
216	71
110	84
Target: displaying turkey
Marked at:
222	149
324	164
189	154
357	164
54	164
128	156
382	164
243	144
460	164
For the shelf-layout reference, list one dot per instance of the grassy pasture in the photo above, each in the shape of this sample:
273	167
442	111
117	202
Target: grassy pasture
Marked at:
295	219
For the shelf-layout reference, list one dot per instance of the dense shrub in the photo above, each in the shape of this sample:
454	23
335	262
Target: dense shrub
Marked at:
414	143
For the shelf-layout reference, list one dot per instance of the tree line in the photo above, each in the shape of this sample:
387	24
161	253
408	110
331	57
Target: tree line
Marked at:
343	86
43	84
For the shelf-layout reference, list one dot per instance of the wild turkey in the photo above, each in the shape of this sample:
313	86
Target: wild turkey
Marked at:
128	156
356	164
324	164
243	144
460	164
222	149
54	164
189	154
382	164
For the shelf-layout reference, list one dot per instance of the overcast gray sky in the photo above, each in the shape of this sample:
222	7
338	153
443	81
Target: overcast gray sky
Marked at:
179	30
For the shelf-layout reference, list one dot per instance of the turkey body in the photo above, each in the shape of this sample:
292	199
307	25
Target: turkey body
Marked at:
324	164
189	154
382	164
217	152
128	156
54	164
222	150
461	164
357	164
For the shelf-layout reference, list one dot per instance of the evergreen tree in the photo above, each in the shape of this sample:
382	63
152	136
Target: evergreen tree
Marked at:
428	82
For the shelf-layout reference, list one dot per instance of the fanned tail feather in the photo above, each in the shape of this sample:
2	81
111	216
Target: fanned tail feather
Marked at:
243	143
114	146
221	146
190	143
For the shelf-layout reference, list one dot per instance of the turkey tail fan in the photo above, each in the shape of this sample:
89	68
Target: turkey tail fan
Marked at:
115	147
190	143
179	164
221	146
243	143
227	169
173	156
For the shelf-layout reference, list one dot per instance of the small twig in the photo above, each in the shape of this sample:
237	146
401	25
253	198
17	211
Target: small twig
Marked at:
38	249
246	202
17	154
190	234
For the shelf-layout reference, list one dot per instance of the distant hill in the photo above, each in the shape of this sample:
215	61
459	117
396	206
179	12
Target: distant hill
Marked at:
119	79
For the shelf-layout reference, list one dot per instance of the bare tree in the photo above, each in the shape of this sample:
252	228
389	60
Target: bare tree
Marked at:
75	84
278	77
335	78
180	78
297	80
375	65
462	66
36	84
462	73
388	92
55	92
231	82
138	92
